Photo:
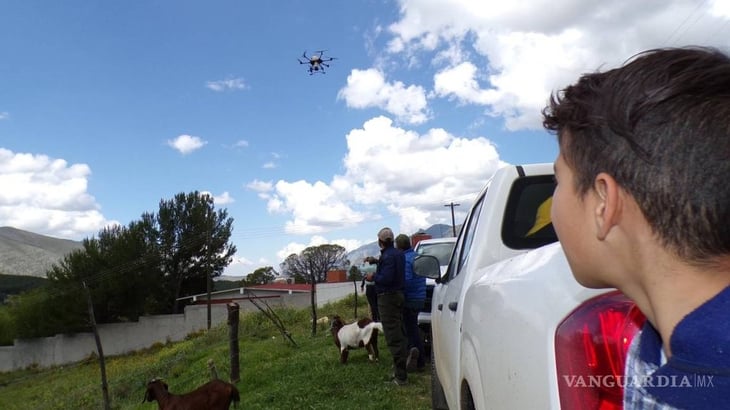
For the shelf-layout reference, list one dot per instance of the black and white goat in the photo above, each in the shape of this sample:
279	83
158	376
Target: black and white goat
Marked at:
363	333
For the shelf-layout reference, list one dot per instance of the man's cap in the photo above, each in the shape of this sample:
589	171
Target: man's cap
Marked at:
385	234
402	241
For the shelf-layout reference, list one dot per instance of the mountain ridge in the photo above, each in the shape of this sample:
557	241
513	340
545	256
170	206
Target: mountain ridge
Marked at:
26	253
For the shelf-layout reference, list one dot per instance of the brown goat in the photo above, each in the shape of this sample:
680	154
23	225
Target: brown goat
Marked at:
214	395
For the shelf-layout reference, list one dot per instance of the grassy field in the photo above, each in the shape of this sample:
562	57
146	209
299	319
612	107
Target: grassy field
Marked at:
274	373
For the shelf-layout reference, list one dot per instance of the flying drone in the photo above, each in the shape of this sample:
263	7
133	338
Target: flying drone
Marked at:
316	61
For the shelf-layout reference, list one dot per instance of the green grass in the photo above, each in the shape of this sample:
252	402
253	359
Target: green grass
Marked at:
274	374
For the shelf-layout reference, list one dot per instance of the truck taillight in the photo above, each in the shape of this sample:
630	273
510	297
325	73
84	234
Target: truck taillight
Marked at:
590	352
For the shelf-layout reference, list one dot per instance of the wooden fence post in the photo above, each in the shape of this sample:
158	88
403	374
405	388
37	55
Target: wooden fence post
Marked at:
233	338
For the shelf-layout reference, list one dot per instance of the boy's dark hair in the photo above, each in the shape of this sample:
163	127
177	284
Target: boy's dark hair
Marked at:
659	125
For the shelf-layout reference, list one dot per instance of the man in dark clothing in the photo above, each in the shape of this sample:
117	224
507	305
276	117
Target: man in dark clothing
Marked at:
389	280
414	292
368	286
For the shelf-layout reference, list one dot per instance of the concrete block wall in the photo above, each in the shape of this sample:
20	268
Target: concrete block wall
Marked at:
123	338
116	339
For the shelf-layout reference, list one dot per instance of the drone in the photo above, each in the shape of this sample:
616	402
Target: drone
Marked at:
316	61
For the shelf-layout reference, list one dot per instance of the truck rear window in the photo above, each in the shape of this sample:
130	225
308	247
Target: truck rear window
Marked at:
526	223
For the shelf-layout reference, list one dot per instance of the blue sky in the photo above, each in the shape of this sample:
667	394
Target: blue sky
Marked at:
108	107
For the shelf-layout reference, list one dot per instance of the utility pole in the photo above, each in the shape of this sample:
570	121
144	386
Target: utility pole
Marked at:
208	267
453	222
99	348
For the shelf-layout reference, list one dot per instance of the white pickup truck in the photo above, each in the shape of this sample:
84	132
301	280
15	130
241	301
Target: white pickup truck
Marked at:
511	327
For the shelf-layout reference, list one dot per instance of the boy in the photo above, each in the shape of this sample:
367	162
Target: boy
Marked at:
643	204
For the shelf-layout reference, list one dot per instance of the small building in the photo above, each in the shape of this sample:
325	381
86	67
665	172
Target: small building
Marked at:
337	275
418	237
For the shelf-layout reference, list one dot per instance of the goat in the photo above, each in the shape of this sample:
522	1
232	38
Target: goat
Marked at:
363	333
214	395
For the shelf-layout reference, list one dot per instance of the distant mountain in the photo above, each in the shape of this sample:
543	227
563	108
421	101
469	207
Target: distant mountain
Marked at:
371	249
30	254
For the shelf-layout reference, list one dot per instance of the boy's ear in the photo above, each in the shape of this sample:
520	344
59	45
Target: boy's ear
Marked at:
608	204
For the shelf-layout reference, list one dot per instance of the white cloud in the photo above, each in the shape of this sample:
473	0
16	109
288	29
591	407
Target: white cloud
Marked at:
241	144
186	144
512	56
47	196
315	207
387	167
223	199
260	186
720	8
269	165
230	84
4	115
368	88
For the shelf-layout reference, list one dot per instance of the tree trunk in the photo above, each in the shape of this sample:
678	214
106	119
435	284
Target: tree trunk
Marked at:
354	282
313	296
233	338
102	365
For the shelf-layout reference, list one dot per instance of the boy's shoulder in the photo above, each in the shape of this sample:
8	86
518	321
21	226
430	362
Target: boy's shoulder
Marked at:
698	373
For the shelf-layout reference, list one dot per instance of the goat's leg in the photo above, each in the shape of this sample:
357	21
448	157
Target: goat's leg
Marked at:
371	352
343	355
374	345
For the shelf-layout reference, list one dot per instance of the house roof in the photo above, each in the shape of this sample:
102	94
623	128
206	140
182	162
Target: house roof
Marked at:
299	287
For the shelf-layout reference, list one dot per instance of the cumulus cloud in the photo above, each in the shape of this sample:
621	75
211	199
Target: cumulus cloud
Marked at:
231	84
512	56
386	167
315	207
48	196
368	88
260	186
4	115
185	144
720	8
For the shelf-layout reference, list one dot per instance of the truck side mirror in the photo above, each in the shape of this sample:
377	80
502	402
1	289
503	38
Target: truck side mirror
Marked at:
427	266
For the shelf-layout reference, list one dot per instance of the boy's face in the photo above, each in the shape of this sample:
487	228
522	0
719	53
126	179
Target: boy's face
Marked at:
572	218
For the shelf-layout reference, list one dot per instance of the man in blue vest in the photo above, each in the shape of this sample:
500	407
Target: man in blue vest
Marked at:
415	298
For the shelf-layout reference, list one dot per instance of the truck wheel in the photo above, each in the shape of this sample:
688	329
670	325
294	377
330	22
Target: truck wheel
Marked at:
438	399
467	401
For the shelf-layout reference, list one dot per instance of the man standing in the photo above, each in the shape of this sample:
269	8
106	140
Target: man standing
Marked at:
414	292
389	280
368	286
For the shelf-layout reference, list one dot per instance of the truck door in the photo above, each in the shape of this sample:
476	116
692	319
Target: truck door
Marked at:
446	313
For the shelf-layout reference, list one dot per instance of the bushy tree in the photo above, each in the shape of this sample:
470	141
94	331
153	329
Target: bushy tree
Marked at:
48	310
193	243
131	270
260	276
312	265
354	273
